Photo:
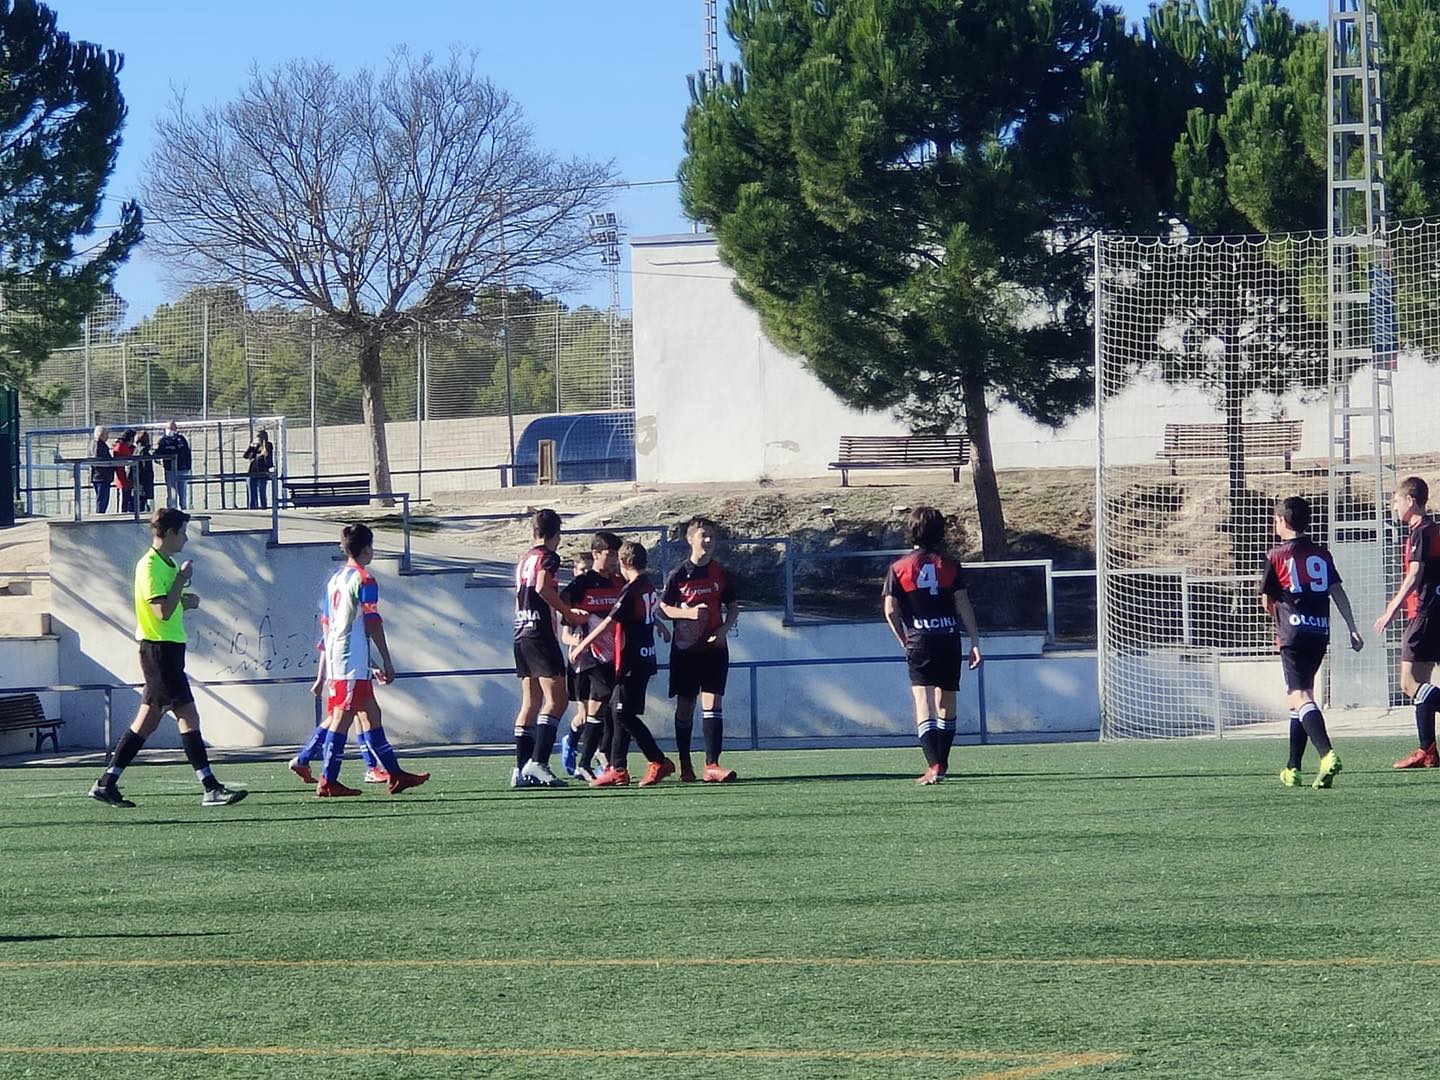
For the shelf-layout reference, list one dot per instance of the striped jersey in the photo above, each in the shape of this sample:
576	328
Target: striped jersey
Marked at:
1298	576
351	602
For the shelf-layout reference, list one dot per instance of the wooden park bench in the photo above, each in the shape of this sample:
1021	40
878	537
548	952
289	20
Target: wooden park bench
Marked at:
327	492
896	452
1263	439
25	713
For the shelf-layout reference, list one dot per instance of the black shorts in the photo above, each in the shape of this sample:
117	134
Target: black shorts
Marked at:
630	693
600	683
538	658
698	671
936	663
163	665
1300	661
1421	641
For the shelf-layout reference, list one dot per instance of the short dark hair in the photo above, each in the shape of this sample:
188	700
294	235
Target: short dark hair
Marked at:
604	541
1416	488
545	524
356	538
925	527
700	521
1295	512
633	555
167	519
128	435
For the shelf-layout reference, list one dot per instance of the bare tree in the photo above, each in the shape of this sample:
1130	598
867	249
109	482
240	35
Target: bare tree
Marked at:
381	200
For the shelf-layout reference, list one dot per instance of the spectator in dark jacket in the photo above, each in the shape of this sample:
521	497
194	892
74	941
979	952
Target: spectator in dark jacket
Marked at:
261	454
101	476
173	450
144	472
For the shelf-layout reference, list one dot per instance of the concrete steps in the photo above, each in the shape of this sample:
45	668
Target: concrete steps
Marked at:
24	606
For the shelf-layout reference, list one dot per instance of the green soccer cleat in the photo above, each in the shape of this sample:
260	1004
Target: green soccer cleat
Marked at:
1290	777
1329	766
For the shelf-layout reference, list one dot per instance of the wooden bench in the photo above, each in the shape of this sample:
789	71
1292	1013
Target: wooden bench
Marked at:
327	492
1265	439
24	713
895	452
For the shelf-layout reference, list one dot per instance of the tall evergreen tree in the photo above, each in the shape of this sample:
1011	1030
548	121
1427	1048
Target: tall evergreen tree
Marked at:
903	189
60	117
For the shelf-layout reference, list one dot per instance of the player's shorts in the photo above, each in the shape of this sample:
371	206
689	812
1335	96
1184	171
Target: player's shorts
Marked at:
350	695
1421	641
630	694
697	671
1301	660
936	662
162	664
601	683
538	658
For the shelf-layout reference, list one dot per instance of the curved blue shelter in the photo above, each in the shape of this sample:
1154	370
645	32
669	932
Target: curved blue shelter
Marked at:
590	448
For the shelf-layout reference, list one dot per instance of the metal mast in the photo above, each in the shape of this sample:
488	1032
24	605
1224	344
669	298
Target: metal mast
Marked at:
1363	339
712	45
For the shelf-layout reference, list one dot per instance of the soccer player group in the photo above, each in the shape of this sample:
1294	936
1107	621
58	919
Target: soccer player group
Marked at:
604	656
1297	582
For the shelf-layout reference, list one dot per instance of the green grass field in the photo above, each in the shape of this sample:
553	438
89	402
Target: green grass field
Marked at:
1118	910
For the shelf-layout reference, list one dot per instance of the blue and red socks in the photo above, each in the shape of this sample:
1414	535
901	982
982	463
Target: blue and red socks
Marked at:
334	754
375	748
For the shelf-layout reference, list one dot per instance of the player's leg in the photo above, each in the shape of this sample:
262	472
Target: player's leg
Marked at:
630	715
944	728
927	730
712	715
372	738
598	685
575	731
525	718
337	731
313	748
547	724
147	719
684	725
188	720
1416	668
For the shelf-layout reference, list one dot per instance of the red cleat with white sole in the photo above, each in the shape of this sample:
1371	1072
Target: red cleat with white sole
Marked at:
1423	758
718	774
303	772
929	776
404	781
377	776
612	778
333	789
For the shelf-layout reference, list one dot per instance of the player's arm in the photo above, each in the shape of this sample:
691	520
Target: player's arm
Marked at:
546	589
369	598
671	605
164	604
892	617
1342	605
604	625
966	611
319	684
1412	579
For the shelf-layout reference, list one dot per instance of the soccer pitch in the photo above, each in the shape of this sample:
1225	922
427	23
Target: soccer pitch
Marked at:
1133	909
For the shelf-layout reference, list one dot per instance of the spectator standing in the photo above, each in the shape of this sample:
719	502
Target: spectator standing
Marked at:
174	450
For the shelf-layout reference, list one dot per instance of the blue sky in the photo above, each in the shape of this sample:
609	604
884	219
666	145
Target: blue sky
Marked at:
600	78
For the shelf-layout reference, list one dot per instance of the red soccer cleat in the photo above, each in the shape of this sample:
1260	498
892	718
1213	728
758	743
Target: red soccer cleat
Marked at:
377	776
718	774
404	781
303	772
687	773
1424	758
327	789
657	771
612	778
929	776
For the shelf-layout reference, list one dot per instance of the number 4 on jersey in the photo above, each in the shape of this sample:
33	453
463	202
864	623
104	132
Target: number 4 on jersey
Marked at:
926	579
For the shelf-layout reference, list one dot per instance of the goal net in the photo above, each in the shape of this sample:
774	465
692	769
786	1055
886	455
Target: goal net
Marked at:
1230	373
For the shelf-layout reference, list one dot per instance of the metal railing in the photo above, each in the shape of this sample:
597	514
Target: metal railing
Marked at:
752	667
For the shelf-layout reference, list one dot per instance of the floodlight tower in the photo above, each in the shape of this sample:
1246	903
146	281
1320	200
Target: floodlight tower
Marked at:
1363	338
712	44
605	234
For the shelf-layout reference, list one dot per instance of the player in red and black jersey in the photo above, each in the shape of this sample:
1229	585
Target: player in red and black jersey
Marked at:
1419	594
539	663
924	594
1297	582
595	592
632	625
699	597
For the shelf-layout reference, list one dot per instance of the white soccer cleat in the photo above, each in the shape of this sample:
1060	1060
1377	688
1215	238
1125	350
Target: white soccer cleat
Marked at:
538	774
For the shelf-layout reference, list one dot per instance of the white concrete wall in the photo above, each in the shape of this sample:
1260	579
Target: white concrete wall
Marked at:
759	412
257	619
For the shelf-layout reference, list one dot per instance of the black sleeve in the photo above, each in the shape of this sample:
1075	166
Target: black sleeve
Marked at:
727	595
670	594
961	585
1269	583
892	584
550	562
